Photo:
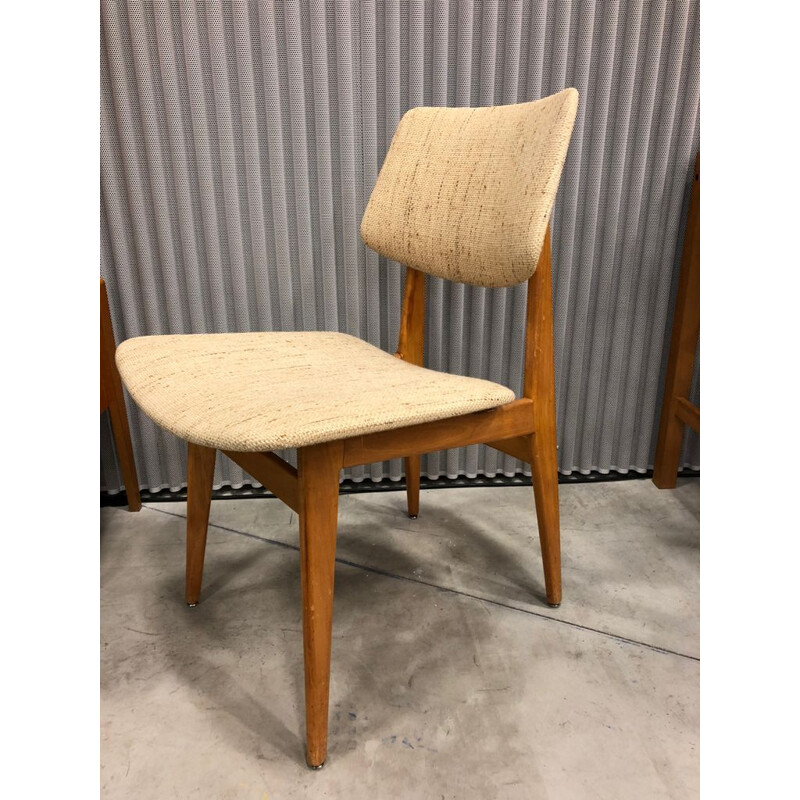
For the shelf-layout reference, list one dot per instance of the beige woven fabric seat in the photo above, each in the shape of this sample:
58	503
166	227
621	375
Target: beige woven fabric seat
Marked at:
250	392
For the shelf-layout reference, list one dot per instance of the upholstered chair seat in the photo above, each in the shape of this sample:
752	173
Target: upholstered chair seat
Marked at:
251	392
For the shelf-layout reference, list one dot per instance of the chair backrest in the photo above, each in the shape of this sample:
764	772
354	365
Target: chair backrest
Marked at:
466	193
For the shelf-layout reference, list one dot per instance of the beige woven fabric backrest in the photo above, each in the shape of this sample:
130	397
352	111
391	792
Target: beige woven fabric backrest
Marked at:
466	193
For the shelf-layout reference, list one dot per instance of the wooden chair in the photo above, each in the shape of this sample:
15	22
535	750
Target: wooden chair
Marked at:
676	409
465	194
112	398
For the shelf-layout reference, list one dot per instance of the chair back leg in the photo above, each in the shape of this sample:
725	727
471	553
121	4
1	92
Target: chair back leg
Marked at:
540	386
199	484
412	485
544	472
122	440
318	475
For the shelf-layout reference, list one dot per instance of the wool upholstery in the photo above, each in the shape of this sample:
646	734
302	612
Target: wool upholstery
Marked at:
250	392
466	193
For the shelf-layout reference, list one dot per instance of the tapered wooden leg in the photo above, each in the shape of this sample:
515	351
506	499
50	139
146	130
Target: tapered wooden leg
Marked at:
318	472
122	440
668	452
544	468
412	485
540	385
198	504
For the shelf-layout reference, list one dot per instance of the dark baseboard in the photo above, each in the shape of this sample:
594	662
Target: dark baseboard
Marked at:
387	485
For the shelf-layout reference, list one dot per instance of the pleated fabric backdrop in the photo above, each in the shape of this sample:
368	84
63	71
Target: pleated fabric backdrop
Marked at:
240	142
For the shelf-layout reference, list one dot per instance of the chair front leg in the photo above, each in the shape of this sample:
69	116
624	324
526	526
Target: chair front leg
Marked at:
199	484
318	473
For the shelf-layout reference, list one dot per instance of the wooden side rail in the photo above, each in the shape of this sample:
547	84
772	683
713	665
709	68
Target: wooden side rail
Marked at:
517	446
511	423
272	472
513	419
688	413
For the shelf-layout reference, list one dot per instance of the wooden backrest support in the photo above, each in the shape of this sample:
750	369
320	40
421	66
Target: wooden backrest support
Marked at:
466	194
539	364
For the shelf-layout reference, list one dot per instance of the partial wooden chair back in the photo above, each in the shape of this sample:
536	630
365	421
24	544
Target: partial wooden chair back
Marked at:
113	400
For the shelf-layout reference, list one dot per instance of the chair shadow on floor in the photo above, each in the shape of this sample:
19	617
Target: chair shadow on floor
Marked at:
260	590
516	580
243	695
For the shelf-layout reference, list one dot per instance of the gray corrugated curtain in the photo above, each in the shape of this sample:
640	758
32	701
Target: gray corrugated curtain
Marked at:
240	142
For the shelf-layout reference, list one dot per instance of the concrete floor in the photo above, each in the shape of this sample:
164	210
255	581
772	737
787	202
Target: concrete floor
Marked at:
451	677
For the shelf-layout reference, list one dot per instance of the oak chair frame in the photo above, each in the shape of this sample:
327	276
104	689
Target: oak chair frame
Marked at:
676	409
113	400
524	429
